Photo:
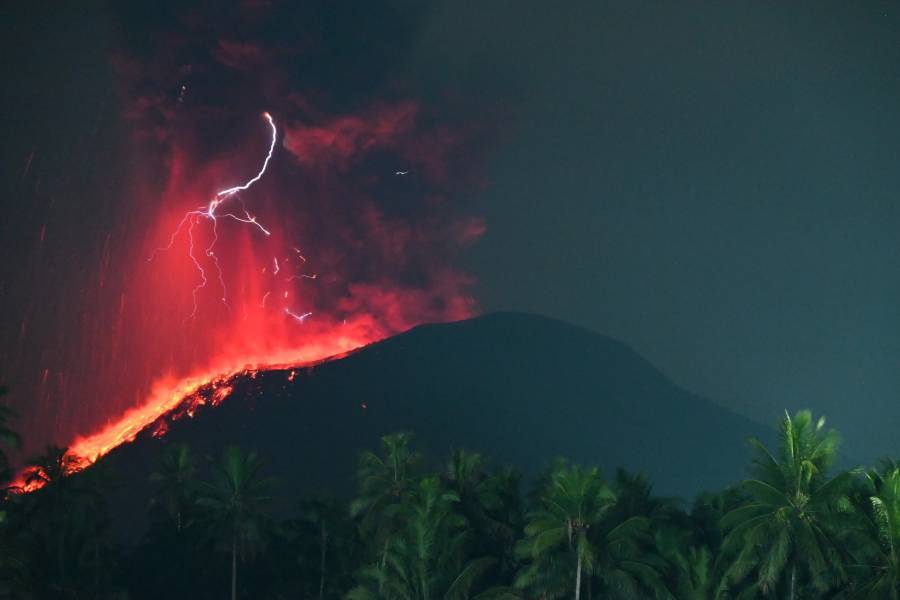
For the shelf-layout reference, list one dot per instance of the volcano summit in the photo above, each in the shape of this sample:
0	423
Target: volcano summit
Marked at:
519	388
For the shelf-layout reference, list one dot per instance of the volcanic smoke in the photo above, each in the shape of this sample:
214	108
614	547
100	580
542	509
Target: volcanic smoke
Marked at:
268	322
272	242
228	295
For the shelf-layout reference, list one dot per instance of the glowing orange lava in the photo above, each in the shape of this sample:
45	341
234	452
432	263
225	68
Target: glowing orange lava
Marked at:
170	394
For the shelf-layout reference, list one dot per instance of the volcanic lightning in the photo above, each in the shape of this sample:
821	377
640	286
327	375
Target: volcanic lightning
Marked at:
270	320
299	318
209	213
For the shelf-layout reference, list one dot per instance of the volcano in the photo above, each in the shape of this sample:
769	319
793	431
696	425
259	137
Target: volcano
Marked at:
519	388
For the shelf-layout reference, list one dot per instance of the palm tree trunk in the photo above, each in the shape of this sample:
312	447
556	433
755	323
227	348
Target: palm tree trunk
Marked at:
234	566
793	581
578	579
61	556
322	564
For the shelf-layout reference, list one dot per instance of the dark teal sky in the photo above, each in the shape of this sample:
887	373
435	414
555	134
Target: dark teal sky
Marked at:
718	184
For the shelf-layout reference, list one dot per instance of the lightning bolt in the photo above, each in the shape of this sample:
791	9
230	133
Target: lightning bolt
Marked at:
299	318
209	213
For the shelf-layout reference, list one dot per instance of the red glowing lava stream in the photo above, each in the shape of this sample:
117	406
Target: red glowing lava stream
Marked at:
169	395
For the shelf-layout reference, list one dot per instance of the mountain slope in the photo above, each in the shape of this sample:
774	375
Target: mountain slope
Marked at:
519	388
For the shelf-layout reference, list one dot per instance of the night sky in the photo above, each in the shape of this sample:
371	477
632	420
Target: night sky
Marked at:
715	184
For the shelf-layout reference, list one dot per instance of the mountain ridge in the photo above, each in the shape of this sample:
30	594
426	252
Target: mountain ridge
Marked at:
521	389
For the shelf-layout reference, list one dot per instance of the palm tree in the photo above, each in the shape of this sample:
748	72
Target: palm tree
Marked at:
175	483
781	532
236	500
691	545
385	479
880	540
465	473
426	559
65	528
557	534
691	565
326	536
386	483
13	566
489	503
634	497
707	513
626	563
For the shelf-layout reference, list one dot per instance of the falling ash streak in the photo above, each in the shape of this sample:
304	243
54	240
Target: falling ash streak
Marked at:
27	166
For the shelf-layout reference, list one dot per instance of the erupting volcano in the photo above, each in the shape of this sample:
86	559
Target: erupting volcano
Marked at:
169	395
227	240
268	322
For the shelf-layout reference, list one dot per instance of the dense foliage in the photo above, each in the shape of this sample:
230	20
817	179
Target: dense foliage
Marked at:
793	529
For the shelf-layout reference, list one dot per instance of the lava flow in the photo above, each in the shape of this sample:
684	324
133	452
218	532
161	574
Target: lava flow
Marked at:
169	397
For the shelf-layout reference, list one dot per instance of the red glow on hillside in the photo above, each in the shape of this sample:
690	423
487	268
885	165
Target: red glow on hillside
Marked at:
173	399
178	398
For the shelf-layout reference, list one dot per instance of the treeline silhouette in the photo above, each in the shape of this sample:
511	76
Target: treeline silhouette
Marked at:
794	528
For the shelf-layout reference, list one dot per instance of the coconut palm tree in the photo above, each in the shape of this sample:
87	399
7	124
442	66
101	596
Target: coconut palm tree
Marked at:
65	529
878	569
691	545
386	479
781	533
625	565
626	562
325	543
386	483
489	503
557	541
426	559
690	566
13	564
236	503
175	484
634	497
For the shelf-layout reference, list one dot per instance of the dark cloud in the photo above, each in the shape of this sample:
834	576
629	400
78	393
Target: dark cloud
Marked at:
238	55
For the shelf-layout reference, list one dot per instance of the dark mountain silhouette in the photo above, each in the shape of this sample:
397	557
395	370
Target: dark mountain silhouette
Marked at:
521	389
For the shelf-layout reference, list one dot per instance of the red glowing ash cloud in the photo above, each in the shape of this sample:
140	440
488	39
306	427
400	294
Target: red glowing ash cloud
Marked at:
350	235
261	301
